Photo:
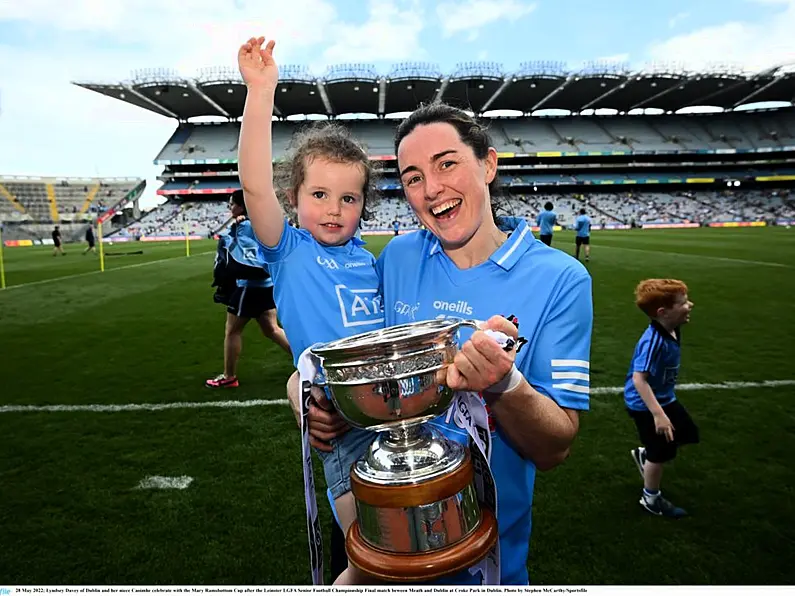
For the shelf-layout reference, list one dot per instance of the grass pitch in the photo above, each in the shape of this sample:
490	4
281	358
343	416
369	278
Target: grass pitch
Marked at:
147	331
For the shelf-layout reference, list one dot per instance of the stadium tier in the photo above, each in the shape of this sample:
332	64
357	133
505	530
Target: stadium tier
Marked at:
29	206
644	164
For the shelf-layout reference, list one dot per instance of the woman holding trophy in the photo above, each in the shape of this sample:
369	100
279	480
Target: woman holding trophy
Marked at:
461	264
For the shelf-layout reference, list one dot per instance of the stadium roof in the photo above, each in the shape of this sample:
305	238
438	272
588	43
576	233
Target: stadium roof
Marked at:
481	87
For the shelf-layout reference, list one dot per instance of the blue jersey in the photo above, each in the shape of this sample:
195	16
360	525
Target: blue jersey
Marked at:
657	353
508	223
322	293
244	248
583	226
547	220
555	317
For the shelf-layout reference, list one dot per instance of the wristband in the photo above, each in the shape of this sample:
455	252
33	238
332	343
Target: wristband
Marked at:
508	383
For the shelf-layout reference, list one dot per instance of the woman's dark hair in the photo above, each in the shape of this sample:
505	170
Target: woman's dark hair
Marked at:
326	140
470	131
237	199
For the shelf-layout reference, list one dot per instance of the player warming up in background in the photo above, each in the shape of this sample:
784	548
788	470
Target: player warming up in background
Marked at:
662	421
90	240
245	289
325	282
583	227
56	240
546	220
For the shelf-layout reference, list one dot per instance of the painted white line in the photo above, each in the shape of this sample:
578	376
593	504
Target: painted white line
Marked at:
178	482
181	405
255	403
700	257
76	275
702	386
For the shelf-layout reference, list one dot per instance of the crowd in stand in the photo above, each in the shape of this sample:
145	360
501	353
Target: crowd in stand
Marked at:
628	208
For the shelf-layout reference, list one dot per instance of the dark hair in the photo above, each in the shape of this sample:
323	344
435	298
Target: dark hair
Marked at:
471	132
582	211
548	206
329	141
237	198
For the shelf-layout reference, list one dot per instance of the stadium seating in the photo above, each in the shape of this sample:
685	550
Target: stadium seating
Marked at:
626	208
60	200
714	132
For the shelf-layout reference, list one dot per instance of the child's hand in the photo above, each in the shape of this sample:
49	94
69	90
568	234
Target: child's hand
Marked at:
257	66
664	426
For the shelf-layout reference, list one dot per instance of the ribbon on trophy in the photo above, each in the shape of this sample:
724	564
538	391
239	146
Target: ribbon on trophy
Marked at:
307	371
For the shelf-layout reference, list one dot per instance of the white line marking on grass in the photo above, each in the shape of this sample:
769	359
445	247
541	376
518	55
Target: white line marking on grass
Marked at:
254	403
703	386
76	275
697	256
181	405
178	482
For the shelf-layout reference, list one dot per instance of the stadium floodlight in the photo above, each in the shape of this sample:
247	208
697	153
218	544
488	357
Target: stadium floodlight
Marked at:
415	71
296	73
542	68
219	74
478	70
351	72
155	75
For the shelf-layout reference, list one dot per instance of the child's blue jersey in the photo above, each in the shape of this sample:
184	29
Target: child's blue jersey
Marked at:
658	354
547	220
583	226
322	293
550	293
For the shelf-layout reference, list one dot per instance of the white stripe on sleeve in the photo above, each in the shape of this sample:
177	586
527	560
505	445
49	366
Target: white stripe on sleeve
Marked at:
572	387
572	363
571	375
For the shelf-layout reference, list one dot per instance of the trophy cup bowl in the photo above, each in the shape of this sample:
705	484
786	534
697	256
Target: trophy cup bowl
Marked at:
417	512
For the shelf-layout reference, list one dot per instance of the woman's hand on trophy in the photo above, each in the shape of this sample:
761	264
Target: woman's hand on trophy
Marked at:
325	423
481	362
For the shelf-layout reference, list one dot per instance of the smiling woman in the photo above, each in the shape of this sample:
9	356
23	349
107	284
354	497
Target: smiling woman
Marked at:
449	171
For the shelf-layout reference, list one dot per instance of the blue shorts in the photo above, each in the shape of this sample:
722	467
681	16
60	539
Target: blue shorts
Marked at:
337	464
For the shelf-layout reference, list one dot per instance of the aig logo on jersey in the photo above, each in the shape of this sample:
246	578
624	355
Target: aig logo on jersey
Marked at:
360	306
461	307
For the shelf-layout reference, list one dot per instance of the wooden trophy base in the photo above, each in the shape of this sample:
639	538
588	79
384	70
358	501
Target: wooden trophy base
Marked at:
422	567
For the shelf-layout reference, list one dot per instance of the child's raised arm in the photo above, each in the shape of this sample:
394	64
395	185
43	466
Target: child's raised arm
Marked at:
255	154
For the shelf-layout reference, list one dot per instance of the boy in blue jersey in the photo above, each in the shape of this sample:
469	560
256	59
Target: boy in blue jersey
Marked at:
662	421
546	221
583	227
325	283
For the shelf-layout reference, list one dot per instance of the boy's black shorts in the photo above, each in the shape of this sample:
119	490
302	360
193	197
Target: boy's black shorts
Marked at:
546	239
250	303
582	240
658	449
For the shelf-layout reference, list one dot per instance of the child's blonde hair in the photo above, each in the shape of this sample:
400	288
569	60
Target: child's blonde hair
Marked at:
325	140
653	294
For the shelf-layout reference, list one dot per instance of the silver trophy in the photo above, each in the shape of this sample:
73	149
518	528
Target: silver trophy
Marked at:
418	516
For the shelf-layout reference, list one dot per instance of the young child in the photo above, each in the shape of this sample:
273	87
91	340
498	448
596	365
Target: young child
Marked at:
325	283
662	421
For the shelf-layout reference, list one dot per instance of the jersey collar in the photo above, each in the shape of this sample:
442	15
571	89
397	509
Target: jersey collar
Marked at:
662	331
507	255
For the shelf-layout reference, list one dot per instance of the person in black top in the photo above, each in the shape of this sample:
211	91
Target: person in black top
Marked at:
91	241
56	240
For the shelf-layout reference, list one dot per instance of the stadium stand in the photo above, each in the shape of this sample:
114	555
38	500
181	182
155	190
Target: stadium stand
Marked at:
643	164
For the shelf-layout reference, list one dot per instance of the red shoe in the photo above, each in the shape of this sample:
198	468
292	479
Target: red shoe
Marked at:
221	381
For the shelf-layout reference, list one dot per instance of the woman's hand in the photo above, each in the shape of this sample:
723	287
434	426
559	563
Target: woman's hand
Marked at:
481	362
257	66
325	423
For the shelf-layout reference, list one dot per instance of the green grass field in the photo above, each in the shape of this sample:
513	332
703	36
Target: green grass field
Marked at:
147	331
